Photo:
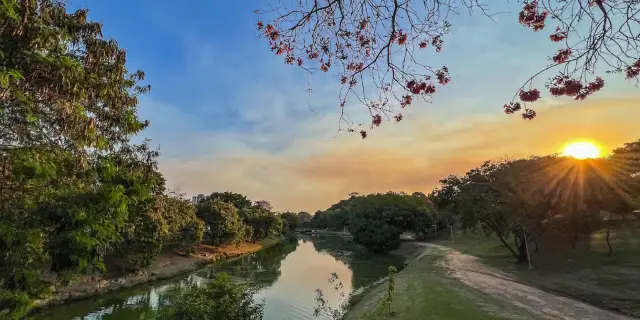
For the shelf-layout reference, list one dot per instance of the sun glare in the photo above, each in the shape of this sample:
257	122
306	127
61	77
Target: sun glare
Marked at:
582	150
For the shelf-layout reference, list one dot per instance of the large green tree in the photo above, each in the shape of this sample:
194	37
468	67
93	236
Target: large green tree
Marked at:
70	179
291	221
238	200
225	225
377	220
498	198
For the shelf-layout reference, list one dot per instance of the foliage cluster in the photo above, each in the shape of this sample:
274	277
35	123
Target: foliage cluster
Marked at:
232	218
377	220
74	188
525	198
219	300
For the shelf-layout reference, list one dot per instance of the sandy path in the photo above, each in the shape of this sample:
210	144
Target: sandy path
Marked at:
502	285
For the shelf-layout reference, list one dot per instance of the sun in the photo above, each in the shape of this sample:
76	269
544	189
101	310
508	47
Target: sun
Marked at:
582	150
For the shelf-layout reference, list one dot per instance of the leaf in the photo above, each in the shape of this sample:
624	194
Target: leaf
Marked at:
7	6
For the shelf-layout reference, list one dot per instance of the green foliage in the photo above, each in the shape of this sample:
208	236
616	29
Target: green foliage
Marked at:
184	228
323	304
259	222
241	202
526	198
377	220
62	83
291	221
381	310
73	188
14	305
263	223
219	300
383	306
225	225
304	216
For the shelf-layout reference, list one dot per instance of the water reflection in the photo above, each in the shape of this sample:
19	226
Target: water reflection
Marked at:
287	273
366	266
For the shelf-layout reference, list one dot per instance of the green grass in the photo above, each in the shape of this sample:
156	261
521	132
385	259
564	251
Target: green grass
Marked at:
423	291
585	273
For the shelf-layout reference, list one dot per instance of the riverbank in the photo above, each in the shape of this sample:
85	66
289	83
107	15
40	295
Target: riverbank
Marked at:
166	265
586	273
424	290
442	283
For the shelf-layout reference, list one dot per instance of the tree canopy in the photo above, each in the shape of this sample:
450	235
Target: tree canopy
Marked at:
525	198
74	188
377	220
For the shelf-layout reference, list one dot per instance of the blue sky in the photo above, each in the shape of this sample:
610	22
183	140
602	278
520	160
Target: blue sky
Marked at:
228	115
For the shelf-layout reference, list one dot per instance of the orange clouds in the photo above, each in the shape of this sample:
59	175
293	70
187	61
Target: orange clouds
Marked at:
411	156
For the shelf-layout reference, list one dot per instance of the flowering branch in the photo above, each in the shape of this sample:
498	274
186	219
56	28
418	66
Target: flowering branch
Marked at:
608	43
373	40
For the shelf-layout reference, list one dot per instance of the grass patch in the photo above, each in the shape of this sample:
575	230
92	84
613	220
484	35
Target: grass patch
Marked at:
585	273
423	291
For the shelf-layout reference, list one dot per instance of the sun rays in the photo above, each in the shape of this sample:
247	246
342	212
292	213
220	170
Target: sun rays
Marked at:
582	150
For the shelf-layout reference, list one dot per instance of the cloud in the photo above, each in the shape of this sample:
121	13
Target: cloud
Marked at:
236	118
317	169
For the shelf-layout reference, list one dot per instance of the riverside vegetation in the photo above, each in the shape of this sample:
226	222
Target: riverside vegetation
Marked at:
78	197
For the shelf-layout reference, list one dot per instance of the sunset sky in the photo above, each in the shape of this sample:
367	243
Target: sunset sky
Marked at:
229	116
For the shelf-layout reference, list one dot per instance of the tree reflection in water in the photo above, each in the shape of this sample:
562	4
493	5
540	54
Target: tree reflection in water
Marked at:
261	268
364	264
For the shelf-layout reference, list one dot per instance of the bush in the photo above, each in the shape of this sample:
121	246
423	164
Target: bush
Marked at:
219	300
14	304
225	225
377	220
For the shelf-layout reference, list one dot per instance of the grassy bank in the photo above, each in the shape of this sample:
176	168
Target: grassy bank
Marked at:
167	265
585	273
424	291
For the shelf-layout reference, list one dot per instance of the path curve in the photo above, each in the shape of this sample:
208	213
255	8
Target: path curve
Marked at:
502	285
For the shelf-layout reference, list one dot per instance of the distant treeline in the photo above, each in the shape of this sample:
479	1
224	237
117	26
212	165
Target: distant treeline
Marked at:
517	200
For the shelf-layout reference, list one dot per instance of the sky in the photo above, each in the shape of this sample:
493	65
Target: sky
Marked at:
228	115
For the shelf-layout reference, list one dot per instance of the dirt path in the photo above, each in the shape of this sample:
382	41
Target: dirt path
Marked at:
502	285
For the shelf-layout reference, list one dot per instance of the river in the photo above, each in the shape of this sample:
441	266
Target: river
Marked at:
288	275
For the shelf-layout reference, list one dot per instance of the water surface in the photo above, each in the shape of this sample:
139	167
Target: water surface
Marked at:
288	274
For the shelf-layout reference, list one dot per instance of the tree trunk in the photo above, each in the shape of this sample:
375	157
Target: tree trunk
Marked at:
526	246
504	242
609	242
573	236
521	246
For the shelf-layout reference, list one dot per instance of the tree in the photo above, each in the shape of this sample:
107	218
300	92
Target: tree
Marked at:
499	198
625	162
238	200
219	300
70	179
377	220
263	223
291	220
225	225
374	47
264	204
61	83
304	216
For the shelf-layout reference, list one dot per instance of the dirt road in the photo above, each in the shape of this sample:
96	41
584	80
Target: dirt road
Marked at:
502	285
